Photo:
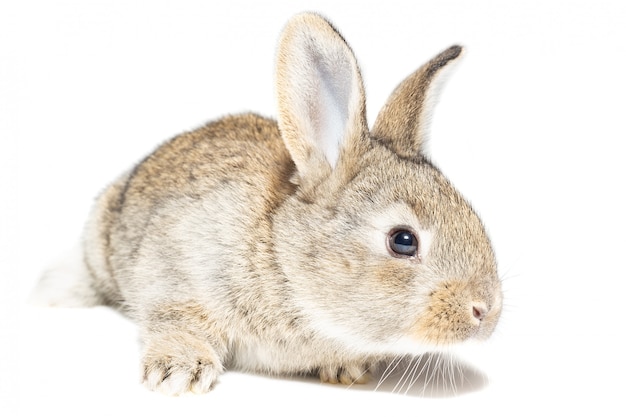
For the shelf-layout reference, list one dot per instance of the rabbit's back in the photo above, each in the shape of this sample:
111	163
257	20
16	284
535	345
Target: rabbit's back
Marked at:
208	186
243	148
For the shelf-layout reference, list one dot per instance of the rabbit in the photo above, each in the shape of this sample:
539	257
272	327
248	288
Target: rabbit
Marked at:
306	245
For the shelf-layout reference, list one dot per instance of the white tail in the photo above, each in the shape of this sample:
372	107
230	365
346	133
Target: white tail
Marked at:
66	283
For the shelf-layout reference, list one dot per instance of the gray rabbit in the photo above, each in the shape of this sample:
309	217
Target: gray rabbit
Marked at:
306	245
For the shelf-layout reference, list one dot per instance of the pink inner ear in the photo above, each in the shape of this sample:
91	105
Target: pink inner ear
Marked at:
329	114
320	94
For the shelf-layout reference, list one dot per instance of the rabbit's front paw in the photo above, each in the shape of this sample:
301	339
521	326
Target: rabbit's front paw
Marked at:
173	378
347	374
179	368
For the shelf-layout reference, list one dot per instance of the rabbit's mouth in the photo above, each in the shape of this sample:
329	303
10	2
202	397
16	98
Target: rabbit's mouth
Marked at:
457	311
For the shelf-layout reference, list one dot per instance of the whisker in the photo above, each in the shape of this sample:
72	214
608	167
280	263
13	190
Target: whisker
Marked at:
454	368
437	372
440	371
426	369
403	378
433	370
389	370
417	367
414	378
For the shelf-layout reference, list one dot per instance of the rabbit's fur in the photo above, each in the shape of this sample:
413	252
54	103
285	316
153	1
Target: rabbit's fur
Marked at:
265	246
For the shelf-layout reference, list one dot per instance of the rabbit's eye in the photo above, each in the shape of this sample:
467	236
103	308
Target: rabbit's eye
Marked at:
402	243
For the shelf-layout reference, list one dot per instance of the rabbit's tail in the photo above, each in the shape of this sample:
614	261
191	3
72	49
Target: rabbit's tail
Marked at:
66	283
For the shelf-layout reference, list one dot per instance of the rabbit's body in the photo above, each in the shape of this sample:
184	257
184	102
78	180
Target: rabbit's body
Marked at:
170	235
307	245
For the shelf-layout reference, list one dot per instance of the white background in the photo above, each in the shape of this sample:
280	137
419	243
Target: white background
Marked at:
530	128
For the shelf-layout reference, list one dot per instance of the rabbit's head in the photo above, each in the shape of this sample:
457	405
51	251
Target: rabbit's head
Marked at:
380	251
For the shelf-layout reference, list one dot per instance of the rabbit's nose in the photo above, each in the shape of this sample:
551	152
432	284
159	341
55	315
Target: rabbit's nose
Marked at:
479	310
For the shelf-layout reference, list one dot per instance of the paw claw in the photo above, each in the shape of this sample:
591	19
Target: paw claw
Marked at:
347	375
176	378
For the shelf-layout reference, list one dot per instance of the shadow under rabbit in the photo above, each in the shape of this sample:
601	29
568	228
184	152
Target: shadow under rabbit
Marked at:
431	375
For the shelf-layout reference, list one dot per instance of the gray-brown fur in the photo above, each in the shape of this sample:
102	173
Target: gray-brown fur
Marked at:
263	245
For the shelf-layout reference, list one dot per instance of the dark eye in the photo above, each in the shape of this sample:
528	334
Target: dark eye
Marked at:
403	243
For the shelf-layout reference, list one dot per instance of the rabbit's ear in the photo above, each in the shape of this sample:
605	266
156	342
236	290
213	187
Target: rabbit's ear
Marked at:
321	102
402	124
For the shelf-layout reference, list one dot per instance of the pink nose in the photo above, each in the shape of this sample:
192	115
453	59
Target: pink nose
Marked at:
479	312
